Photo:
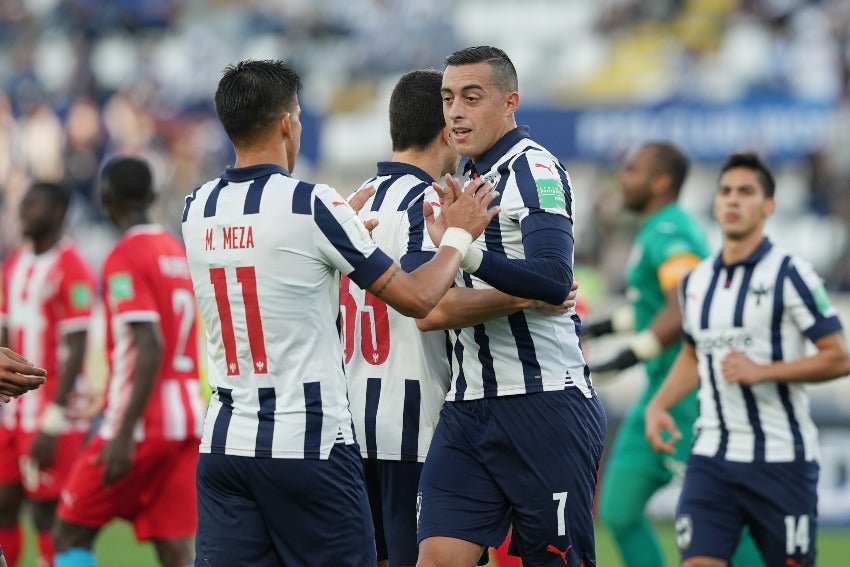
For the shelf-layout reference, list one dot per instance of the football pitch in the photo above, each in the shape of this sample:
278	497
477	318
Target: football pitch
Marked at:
116	547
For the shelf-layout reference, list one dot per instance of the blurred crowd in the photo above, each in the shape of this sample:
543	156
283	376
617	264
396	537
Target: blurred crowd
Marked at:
85	79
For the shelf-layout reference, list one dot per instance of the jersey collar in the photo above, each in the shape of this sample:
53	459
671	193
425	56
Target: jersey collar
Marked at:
750	260
389	168
241	174
489	158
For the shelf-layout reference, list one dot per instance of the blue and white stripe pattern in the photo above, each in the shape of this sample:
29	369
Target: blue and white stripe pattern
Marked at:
528	351
770	307
282	392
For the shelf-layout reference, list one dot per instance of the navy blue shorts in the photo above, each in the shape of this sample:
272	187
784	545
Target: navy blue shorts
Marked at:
392	487
778	501
527	461
273	512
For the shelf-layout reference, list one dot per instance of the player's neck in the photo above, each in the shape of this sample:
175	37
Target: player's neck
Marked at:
43	244
264	154
429	162
131	219
737	250
654	206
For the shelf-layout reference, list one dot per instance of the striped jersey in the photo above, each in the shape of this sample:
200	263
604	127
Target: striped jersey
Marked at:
266	252
767	306
527	351
146	280
397	375
45	297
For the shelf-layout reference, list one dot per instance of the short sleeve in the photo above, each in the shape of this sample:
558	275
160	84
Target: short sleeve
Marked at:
807	302
76	294
127	290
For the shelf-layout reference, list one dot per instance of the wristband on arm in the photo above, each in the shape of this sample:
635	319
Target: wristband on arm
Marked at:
52	419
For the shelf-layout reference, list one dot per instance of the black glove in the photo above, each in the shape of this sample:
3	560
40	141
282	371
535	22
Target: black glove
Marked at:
597	329
623	360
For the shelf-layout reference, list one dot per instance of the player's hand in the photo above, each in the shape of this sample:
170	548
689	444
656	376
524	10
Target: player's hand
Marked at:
467	209
661	430
569	303
597	329
17	375
360	197
738	369
43	449
117	457
624	359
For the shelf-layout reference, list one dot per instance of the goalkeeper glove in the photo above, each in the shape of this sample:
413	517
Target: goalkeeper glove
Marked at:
643	346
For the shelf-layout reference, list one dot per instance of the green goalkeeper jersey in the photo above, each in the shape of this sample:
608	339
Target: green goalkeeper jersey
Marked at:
668	245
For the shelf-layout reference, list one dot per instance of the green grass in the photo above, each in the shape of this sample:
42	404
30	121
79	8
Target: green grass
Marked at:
117	546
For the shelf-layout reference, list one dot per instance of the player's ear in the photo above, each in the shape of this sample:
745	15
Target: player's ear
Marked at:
511	102
769	206
285	125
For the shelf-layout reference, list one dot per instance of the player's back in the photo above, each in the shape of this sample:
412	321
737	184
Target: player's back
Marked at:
397	375
264	251
147	280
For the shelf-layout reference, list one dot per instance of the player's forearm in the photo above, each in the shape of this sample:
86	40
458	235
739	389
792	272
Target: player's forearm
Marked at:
830	361
682	379
465	307
72	366
149	356
667	324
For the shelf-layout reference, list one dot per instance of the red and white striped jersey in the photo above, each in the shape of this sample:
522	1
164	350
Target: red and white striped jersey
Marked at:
146	279
45	296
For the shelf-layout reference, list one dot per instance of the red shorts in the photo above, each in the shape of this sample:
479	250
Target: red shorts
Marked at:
16	467
157	496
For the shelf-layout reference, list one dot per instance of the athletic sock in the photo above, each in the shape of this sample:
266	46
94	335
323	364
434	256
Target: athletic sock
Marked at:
75	557
12	541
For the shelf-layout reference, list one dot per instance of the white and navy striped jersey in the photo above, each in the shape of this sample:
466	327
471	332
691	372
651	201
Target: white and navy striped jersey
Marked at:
265	253
767	306
528	351
397	375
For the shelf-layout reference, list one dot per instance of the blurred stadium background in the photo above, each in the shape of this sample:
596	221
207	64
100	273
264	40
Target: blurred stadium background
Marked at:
84	79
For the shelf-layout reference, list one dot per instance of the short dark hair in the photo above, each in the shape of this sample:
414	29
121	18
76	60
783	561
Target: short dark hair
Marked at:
752	161
58	194
504	72
252	94
416	110
670	159
129	177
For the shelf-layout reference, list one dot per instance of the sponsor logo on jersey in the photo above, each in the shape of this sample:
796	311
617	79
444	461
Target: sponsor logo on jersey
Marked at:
737	339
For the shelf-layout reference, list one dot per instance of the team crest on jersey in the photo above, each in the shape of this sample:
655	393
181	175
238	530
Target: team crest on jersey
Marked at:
684	531
80	295
120	286
760	291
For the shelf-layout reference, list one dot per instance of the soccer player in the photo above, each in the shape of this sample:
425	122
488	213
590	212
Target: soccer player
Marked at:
47	300
668	245
140	465
397	375
280	478
520	435
748	314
